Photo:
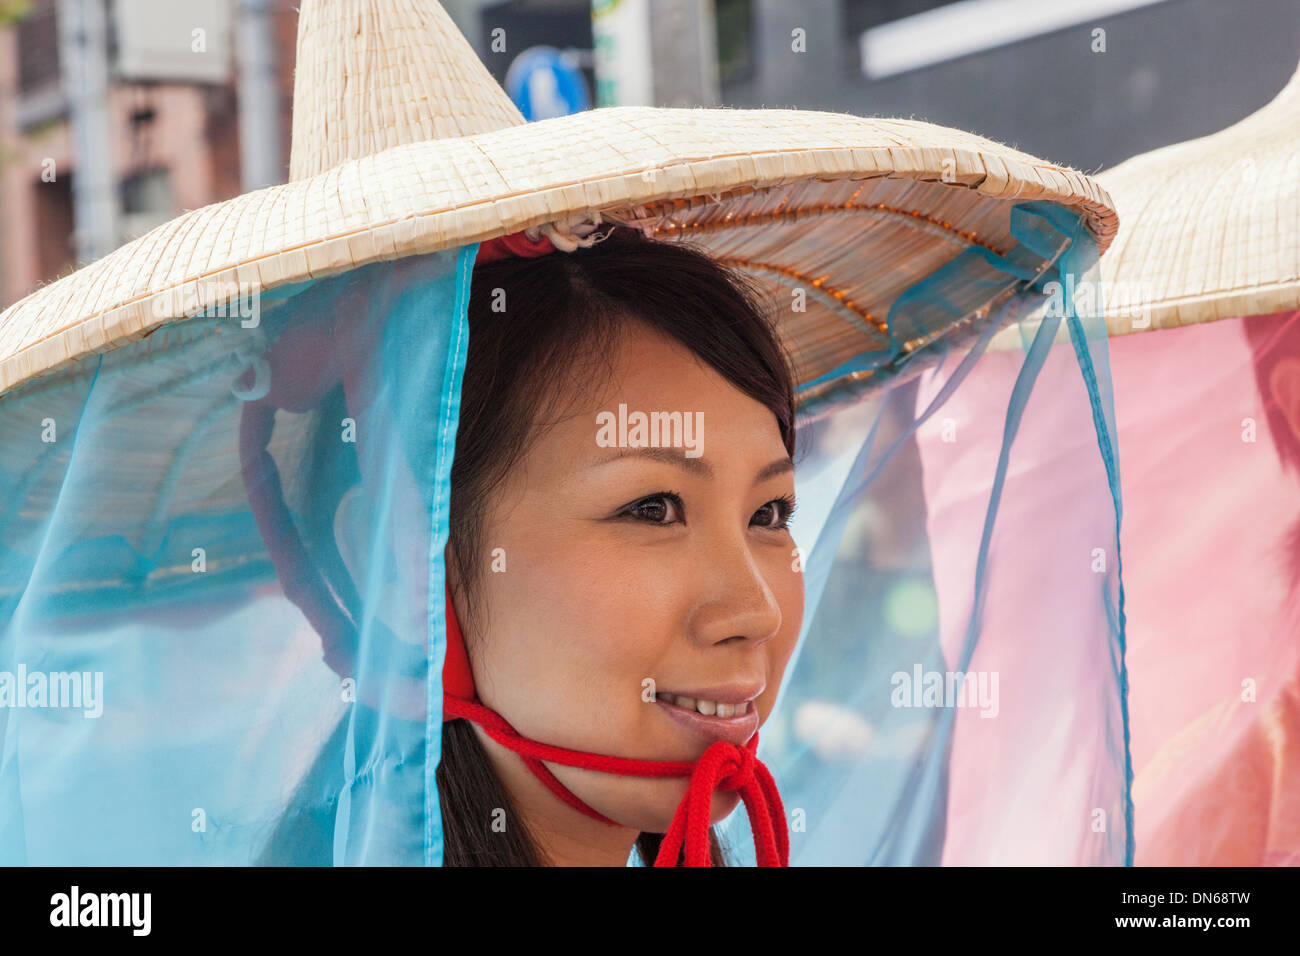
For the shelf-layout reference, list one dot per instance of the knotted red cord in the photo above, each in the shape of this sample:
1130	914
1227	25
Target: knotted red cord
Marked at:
722	766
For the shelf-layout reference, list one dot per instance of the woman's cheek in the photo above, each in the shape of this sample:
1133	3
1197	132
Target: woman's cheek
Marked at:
787	586
604	619
783	572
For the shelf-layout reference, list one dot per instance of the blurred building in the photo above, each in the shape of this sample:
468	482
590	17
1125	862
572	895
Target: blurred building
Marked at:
1084	82
1087	83
172	119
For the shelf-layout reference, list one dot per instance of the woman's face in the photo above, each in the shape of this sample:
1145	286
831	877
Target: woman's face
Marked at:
621	566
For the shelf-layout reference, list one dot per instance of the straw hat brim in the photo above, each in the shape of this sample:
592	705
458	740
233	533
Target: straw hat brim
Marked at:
1211	226
853	210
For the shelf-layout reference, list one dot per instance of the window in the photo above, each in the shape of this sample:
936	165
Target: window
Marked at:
38	48
734	24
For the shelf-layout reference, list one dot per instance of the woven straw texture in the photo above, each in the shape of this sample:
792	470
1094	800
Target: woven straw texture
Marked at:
854	210
372	75
1211	227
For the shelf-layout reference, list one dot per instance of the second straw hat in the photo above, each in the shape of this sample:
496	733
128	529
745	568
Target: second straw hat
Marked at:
403	144
1211	226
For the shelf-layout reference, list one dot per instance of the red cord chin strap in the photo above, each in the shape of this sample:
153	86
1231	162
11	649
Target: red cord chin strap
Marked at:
722	766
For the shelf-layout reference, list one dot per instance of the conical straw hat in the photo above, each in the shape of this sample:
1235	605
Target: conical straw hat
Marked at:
403	144
1211	226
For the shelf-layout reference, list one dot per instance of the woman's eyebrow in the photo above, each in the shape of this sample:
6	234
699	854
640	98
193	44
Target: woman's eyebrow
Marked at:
778	467
696	466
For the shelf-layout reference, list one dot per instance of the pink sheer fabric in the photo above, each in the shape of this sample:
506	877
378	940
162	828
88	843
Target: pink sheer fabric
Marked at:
1040	780
1208	421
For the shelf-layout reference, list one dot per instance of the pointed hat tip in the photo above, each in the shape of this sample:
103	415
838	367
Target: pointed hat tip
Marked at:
372	74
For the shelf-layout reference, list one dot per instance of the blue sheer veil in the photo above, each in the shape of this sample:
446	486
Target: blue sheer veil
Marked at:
193	671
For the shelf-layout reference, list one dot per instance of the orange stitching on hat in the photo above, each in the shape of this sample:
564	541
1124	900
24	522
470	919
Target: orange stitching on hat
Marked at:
778	215
819	284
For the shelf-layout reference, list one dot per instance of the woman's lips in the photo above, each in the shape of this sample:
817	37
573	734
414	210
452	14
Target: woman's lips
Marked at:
736	729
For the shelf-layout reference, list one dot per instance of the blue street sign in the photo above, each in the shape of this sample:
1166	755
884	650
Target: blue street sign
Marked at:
544	82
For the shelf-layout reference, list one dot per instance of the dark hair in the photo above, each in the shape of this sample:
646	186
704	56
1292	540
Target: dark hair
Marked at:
535	324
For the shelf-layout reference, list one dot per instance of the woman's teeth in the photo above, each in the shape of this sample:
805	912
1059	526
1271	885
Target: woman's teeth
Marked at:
710	708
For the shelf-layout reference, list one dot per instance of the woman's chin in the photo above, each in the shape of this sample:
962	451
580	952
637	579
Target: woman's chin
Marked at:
643	804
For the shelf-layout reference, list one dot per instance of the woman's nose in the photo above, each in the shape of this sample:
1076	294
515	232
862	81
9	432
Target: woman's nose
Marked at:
734	599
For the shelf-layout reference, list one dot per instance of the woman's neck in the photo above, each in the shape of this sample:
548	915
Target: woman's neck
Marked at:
564	836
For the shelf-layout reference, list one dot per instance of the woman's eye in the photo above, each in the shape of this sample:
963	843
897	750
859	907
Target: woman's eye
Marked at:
666	508
657	509
775	515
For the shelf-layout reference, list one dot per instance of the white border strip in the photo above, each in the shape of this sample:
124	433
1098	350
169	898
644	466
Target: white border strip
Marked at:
969	26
